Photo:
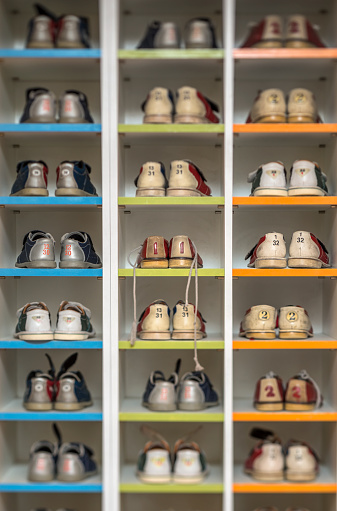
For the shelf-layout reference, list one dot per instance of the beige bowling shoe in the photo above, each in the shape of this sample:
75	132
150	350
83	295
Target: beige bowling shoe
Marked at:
153	253
269	106
266	460
269	393
183	322
182	253
307	251
269	252
158	106
259	322
192	107
307	178
154	322
151	181
186	180
265	34
301	462
300	33
301	106
302	393
294	323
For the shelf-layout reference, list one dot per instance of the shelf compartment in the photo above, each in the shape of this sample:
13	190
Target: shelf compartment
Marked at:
286	272
131	484
17	344
244	411
318	342
56	272
171	272
284	53
185	54
314	202
132	411
285	128
324	483
15	411
171	128
15	480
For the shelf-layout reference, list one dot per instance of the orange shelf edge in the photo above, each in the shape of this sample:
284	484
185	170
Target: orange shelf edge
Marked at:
284	417
284	345
284	128
285	272
284	201
285	488
284	53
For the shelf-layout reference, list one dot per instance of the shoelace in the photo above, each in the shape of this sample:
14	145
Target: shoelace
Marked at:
303	373
198	366
133	333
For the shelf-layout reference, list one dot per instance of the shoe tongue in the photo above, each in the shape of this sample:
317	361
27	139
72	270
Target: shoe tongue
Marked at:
77	235
157	376
35	91
36	235
34	306
75	306
44	446
74	375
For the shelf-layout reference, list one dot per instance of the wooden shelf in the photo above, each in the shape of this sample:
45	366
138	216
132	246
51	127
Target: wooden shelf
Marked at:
318	342
285	272
285	128
284	53
171	272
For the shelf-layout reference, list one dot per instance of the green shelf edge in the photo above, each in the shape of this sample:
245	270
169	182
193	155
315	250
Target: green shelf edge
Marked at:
170	417
178	54
171	345
171	128
171	488
165	201
170	272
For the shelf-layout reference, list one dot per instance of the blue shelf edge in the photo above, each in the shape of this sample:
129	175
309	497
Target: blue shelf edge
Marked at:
51	416
53	53
62	201
53	487
56	272
51	345
50	128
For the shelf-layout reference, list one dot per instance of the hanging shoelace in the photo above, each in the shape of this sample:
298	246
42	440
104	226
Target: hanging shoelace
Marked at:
133	333
303	374
198	366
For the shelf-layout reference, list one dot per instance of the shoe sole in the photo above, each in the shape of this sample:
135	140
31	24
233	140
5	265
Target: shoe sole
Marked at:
190	119
195	407
156	336
61	336
34	192
66	44
266	476
268	44
72	120
300	477
160	407
187	335
157	119
36	264
290	334
306	262
270	192
71	406
73	479
271	118
35	337
270	262
41	479
296	407
40	120
148	192
298	44
36	407
153	479
300	118
256	334
181	263
73	192
188	480
153	263
313	191
40	45
79	265
269	407
180	192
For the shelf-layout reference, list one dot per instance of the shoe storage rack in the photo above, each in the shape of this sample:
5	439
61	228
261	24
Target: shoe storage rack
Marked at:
116	78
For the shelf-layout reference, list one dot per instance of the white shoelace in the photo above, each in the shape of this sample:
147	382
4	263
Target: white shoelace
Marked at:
133	333
303	373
